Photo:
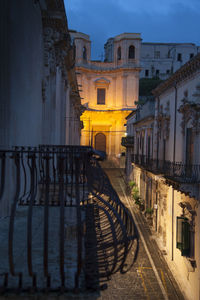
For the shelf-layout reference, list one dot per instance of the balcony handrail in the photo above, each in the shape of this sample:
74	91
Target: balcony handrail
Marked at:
47	180
176	171
127	141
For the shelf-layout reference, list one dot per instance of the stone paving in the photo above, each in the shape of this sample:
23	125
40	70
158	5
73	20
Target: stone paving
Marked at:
140	282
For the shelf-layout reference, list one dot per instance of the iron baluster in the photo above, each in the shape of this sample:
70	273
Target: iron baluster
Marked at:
16	158
46	221
32	165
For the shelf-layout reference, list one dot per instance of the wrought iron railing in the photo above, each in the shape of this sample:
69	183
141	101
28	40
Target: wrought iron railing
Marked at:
66	228
176	171
127	141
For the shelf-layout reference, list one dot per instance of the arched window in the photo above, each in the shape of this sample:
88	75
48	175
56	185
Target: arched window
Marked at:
131	52
84	53
119	53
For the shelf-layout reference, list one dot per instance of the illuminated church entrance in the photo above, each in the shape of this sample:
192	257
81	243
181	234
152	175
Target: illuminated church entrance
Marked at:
100	142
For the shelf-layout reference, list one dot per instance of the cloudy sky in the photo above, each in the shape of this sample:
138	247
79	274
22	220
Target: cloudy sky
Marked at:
156	20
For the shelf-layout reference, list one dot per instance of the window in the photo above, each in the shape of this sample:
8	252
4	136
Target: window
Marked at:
157	72
179	57
84	53
119	53
101	96
131	52
183	236
157	54
168	71
191	55
146	73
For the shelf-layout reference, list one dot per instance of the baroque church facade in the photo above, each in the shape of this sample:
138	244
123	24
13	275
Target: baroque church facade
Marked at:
108	90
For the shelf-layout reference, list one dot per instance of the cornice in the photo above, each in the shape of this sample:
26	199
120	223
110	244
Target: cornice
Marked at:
104	71
121	111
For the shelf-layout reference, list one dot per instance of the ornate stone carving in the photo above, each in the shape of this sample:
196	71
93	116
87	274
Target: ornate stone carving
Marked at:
49	51
190	111
163	121
44	88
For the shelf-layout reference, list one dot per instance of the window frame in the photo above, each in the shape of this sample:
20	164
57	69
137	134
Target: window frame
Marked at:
101	98
131	52
119	53
183	235
179	56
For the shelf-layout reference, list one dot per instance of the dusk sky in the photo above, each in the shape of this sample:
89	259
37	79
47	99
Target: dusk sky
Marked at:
156	20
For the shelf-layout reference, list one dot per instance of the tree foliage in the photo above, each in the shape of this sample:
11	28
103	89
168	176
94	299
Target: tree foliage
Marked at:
146	85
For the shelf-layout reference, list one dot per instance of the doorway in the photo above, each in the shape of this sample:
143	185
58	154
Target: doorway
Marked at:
100	142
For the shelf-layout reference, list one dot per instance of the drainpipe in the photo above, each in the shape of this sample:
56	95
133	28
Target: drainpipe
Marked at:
156	205
158	109
174	157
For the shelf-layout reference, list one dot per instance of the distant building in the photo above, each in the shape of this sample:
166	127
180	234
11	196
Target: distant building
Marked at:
159	59
163	59
166	168
108	90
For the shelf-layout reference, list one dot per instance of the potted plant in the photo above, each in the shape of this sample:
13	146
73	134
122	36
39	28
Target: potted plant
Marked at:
148	214
136	196
132	184
149	211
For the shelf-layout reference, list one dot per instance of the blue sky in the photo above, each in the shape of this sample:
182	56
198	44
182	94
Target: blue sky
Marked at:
156	20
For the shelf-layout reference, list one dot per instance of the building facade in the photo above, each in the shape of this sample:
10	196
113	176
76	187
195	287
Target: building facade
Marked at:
163	59
108	90
159	59
39	93
166	169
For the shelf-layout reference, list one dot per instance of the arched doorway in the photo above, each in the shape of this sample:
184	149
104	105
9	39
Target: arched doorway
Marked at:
100	142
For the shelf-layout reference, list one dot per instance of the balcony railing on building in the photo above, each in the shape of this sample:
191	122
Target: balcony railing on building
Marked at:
175	171
65	227
127	141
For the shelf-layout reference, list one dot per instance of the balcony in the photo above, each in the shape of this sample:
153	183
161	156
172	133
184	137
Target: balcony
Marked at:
127	141
65	228
173	171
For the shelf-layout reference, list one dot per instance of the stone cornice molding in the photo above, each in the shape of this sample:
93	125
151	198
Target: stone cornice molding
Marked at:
87	69
102	83
58	50
56	37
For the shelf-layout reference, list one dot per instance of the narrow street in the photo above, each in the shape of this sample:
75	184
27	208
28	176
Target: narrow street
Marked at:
150	277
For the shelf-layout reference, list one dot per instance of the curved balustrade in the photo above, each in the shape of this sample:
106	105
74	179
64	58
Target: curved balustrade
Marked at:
67	229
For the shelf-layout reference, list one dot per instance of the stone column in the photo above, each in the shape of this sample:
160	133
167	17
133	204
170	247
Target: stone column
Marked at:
124	91
114	91
88	99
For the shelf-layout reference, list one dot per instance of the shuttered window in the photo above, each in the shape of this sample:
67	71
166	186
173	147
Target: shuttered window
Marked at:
101	96
183	236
